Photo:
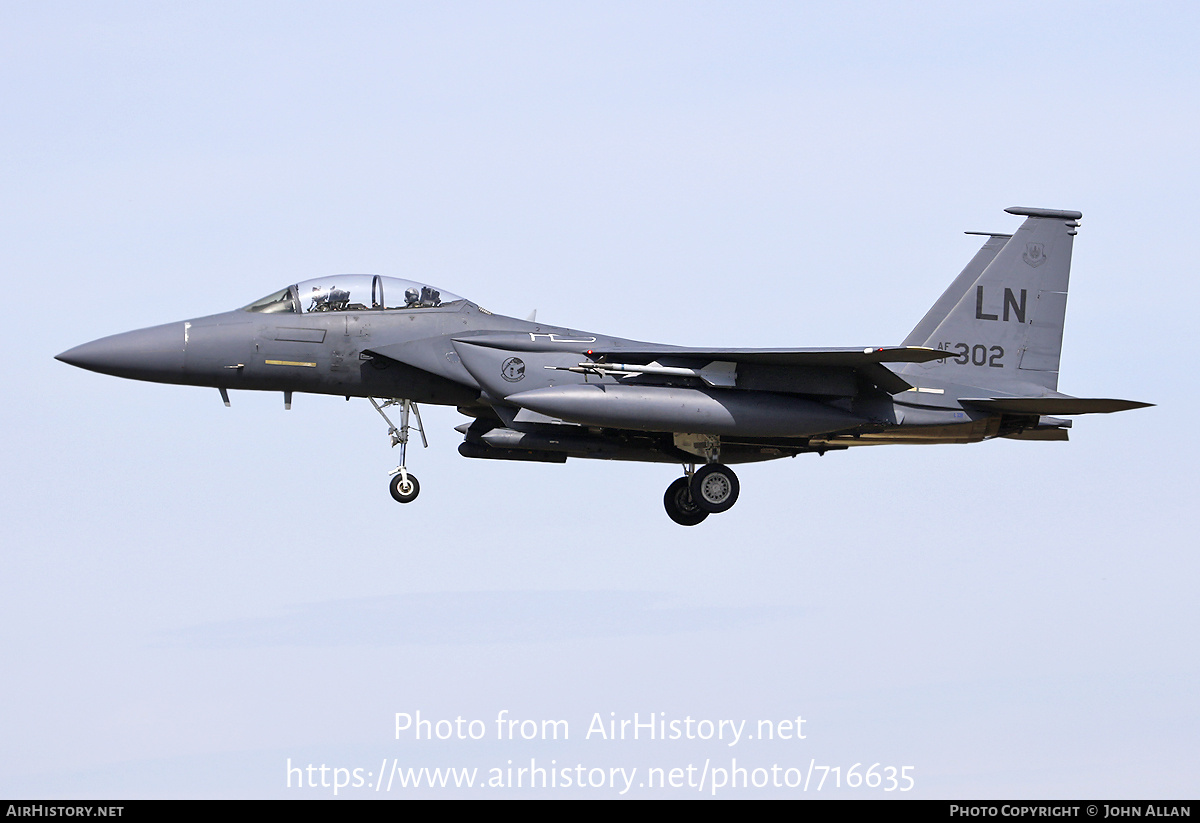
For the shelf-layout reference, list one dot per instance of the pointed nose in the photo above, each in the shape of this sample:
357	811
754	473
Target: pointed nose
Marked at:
154	354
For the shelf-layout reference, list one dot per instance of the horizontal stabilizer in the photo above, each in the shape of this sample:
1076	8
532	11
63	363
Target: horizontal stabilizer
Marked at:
1052	405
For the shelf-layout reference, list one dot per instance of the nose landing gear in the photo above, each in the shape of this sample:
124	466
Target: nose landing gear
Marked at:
403	486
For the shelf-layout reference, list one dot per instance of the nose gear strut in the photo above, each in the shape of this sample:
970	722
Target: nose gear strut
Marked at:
404	486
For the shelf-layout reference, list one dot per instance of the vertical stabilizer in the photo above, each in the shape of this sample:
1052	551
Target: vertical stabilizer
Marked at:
951	296
1006	326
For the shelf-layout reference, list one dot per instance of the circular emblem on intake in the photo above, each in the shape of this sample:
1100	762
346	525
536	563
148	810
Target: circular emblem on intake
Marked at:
513	369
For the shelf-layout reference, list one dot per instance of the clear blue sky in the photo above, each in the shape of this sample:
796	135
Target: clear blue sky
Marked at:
196	594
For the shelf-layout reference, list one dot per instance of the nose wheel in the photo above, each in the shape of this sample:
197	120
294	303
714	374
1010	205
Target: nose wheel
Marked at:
403	486
711	489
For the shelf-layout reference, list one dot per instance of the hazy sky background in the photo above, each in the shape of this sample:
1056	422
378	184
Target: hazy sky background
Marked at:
196	594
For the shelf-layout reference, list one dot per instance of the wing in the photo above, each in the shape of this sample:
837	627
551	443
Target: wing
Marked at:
770	369
844	357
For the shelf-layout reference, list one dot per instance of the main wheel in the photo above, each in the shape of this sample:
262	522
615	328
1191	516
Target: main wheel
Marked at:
404	490
715	488
679	504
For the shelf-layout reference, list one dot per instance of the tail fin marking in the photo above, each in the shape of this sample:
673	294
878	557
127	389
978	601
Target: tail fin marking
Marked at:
1006	325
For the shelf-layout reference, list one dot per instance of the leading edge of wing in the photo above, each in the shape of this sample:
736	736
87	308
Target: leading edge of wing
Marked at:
839	357
843	357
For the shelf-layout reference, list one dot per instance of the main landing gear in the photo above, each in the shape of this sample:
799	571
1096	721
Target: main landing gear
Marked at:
403	486
711	489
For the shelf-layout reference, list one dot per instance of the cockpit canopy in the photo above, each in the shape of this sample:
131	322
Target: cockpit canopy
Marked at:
353	292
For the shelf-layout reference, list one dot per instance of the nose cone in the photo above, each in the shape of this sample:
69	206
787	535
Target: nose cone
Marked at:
154	354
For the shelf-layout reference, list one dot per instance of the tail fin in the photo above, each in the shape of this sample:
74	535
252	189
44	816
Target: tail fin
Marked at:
1003	315
951	296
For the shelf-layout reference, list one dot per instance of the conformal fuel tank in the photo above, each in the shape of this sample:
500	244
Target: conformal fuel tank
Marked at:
699	411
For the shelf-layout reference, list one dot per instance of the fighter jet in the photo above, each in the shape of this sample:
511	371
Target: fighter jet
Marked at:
982	363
